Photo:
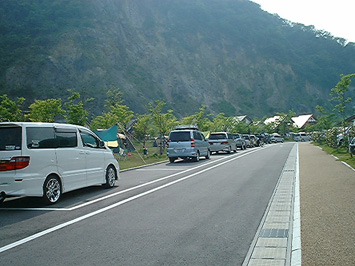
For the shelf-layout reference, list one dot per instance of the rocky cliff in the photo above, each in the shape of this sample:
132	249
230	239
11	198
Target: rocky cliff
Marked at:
229	55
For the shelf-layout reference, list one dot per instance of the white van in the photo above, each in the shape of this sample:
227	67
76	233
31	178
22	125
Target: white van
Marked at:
302	136
49	159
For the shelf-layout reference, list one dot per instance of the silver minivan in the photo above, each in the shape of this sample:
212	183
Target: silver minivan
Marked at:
187	142
49	159
222	141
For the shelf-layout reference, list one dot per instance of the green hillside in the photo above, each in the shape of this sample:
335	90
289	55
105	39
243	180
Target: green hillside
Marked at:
229	55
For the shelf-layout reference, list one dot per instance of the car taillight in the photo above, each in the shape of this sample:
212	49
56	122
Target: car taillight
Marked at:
14	163
167	145
224	142
193	144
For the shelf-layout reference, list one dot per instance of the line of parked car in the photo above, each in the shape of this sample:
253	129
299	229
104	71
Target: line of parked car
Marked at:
187	142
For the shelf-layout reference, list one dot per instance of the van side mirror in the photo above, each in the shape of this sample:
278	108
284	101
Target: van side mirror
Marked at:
102	144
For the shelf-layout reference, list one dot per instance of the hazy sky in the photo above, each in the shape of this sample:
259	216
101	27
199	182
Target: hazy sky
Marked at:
334	16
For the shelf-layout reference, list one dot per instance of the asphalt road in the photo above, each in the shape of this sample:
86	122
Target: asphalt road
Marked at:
186	213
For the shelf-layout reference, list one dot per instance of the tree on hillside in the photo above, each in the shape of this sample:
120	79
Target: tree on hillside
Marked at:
75	112
45	110
198	119
285	122
163	121
10	110
104	121
117	113
114	96
141	127
238	126
220	123
123	113
339	96
324	120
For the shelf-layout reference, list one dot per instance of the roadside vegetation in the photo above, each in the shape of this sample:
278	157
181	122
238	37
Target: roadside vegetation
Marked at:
341	153
138	157
144	131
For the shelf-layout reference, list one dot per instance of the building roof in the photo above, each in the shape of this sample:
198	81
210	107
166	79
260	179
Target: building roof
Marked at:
273	119
243	118
302	120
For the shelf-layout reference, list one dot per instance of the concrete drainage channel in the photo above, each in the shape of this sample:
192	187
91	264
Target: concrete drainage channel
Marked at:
278	238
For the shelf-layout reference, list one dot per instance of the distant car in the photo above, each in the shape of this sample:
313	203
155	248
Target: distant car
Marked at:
276	139
254	140
222	141
261	139
302	137
187	142
352	147
248	141
48	159
240	141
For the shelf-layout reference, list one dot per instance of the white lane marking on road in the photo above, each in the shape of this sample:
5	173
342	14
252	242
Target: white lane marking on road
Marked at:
159	169
81	218
348	165
123	191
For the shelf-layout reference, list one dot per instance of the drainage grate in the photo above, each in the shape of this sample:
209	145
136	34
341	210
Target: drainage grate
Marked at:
274	233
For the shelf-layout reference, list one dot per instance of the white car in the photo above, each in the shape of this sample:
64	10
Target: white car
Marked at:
276	138
49	159
302	137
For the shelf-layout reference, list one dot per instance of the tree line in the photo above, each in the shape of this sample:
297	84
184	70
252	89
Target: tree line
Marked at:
158	121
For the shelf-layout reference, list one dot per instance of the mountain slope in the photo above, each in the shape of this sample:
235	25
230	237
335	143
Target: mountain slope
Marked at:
229	55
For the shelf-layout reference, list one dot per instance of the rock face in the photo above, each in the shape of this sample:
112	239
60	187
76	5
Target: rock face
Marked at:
228	55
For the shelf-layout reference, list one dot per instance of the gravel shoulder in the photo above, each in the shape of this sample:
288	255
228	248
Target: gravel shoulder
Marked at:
327	198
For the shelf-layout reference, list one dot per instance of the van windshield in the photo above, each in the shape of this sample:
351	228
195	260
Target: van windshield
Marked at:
10	138
180	136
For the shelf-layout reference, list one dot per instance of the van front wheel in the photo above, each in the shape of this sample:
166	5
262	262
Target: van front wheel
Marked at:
52	189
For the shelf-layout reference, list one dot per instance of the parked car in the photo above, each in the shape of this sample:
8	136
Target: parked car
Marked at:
302	136
267	138
48	159
254	140
187	142
352	147
262	138
240	141
275	138
248	141
222	141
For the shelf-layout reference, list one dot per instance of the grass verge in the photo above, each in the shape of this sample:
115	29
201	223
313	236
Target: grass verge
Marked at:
138	158
341	153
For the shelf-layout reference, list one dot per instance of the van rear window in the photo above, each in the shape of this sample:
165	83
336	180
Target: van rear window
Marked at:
47	138
180	136
217	136
10	138
41	138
